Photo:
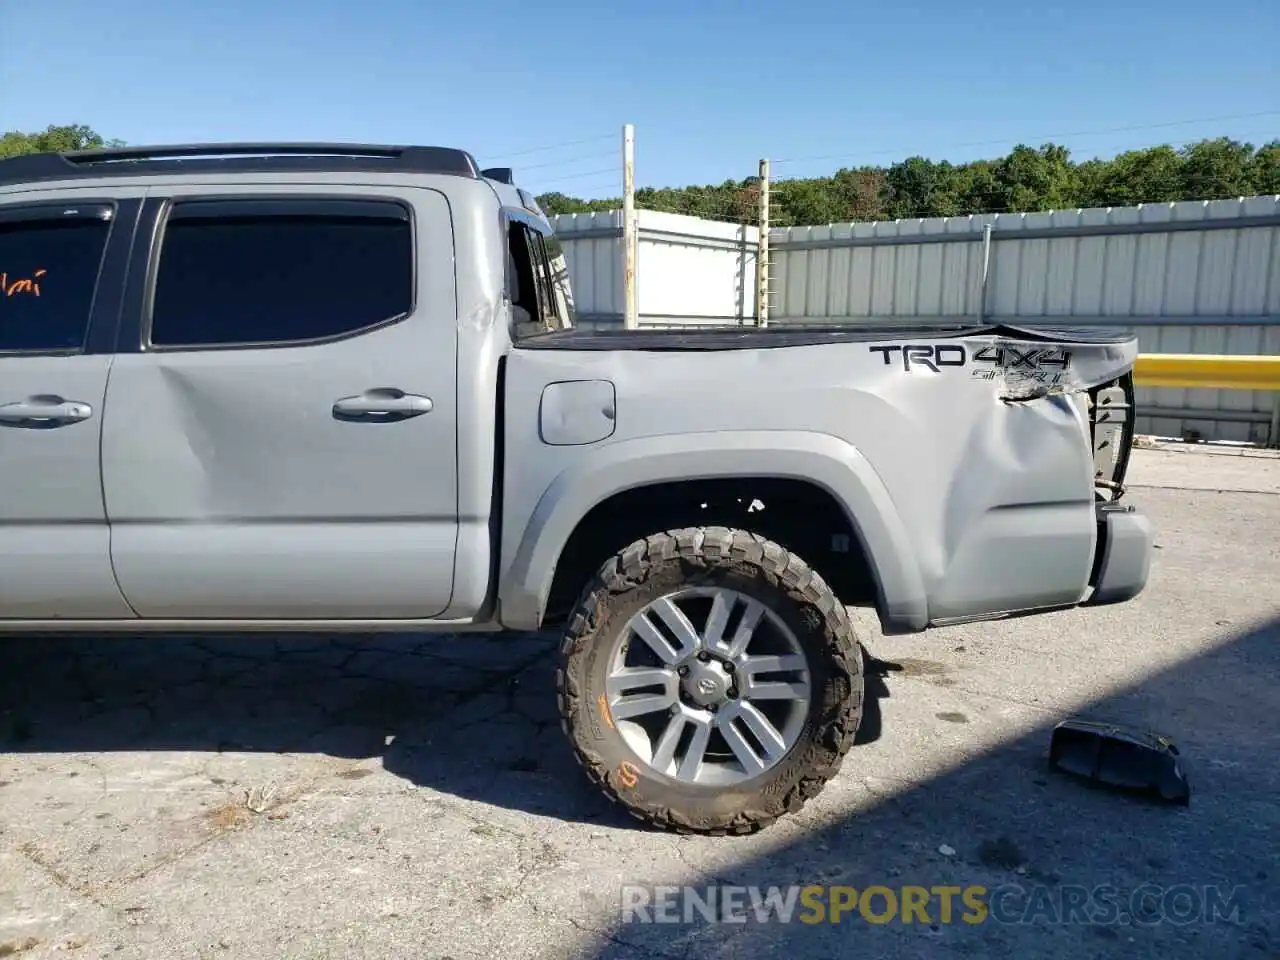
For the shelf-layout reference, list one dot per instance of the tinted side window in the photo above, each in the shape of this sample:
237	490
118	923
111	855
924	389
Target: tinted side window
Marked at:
48	275
522	284
534	284
238	275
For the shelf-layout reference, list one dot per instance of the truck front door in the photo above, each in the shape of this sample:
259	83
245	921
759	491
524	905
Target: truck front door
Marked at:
61	270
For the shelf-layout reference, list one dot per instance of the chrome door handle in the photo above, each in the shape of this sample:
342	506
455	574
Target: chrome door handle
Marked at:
43	412
383	405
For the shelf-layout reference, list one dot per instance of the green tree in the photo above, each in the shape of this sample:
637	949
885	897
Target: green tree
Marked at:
922	188
1154	175
554	203
1030	180
861	194
1265	169
980	187
1217	169
803	201
53	139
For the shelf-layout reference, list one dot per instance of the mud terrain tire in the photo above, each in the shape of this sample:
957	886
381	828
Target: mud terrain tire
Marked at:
749	565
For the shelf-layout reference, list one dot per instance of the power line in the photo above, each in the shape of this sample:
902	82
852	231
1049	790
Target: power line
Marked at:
557	163
1041	137
579	176
556	146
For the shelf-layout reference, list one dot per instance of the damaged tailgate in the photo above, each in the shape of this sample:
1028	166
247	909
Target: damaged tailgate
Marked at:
1096	364
1096	367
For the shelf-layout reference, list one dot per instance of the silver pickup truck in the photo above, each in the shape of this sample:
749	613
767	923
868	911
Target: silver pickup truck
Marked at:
340	388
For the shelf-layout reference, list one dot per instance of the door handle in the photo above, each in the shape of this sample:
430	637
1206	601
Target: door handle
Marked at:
43	412
383	405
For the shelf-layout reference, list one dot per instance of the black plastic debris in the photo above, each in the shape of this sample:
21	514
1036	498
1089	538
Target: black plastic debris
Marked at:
1130	760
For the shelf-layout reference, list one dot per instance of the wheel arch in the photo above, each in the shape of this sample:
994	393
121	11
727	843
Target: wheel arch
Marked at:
820	461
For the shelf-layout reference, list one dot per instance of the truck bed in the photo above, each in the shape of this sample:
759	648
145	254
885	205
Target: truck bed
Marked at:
754	338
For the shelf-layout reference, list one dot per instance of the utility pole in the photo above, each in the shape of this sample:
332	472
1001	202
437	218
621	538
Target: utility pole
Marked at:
630	247
762	250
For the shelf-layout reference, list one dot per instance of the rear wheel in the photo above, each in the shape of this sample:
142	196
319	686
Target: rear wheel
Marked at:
710	681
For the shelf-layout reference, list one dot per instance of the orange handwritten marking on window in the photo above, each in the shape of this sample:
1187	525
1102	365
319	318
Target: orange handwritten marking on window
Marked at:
628	774
28	285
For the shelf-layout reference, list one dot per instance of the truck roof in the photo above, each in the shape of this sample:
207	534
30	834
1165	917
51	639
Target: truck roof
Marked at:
265	157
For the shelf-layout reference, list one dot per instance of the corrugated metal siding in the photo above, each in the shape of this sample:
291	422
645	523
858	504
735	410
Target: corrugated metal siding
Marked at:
833	280
915	268
1202	287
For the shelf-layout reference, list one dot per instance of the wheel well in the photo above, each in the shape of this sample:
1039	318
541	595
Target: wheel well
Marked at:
798	515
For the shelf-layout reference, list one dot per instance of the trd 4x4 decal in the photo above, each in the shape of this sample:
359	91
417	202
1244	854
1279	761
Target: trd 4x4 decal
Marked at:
929	356
1022	363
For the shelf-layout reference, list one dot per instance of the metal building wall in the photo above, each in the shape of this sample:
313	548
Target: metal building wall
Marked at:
690	272
1187	277
592	245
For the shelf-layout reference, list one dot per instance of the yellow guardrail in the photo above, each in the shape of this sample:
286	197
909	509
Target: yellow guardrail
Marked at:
1203	371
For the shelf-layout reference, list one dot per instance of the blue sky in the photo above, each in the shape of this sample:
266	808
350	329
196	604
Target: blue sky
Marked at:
711	85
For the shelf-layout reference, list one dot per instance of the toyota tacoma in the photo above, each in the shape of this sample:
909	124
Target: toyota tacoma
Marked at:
309	387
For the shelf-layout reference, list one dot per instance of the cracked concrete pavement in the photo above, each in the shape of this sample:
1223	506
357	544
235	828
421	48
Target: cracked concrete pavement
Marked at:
312	796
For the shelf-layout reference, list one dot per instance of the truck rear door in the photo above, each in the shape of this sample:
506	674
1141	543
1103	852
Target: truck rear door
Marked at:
282	434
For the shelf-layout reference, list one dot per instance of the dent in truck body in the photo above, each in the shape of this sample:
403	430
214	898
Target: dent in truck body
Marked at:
1024	467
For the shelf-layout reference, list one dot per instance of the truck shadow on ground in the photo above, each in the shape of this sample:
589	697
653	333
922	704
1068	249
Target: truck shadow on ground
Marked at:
469	715
1148	879
475	717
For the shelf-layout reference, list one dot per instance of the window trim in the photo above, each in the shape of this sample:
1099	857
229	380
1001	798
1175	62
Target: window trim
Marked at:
540	229
288	204
58	211
569	319
546	289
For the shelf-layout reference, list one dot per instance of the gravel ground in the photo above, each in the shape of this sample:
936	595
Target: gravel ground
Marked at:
412	796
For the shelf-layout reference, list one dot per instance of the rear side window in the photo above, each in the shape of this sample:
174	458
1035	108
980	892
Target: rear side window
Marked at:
522	281
280	272
531	282
49	267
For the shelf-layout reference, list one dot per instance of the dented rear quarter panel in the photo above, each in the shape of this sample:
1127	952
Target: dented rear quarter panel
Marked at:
971	495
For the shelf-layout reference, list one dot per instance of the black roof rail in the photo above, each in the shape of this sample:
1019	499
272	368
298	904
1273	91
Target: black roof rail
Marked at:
239	157
501	174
